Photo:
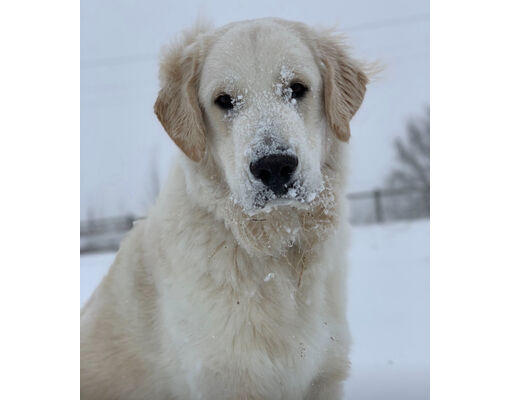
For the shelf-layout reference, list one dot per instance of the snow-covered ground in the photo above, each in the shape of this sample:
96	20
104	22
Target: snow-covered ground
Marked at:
388	309
389	312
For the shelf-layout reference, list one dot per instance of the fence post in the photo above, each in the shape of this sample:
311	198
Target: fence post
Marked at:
378	206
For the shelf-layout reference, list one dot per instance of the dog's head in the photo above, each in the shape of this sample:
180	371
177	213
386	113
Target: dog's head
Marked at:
265	103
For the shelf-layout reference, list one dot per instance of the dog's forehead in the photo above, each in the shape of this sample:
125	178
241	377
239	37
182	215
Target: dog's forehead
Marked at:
254	54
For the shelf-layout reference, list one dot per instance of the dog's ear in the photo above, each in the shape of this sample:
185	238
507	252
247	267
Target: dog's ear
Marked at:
177	106
344	84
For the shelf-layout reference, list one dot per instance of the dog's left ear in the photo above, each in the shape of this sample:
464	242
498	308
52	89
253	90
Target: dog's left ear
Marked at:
344	84
177	106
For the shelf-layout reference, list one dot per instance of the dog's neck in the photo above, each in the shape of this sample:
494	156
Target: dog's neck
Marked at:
278	233
286	242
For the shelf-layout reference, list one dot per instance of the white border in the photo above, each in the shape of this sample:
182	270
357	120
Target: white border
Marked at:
39	175
470	285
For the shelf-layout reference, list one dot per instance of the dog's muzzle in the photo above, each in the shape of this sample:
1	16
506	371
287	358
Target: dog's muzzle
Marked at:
275	171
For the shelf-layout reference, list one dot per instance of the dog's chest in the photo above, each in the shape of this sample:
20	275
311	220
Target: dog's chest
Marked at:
252	351
246	327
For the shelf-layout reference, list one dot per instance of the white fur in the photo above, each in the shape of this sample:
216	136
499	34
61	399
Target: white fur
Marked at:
212	297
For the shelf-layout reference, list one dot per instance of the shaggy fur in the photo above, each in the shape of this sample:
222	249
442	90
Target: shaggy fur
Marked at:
213	296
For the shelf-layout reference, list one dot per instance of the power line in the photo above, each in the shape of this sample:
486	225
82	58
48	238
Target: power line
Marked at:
137	58
118	60
383	23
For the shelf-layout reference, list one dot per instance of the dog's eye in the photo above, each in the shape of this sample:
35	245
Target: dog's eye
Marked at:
298	90
224	101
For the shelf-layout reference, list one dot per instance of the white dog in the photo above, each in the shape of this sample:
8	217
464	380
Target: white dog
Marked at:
234	286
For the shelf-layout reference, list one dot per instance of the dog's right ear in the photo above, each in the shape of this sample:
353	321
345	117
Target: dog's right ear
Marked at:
177	106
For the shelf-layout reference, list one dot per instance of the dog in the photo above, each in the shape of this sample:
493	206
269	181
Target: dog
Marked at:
234	286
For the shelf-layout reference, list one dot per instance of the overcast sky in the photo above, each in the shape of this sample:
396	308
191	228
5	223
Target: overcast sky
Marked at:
121	139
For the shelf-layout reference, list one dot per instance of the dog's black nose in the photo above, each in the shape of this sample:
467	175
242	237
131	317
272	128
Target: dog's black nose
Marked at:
275	171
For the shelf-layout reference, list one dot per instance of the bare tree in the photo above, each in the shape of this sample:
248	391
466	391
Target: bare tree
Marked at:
413	164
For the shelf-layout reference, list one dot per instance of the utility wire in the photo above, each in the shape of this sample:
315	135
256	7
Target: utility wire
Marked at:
119	60
388	22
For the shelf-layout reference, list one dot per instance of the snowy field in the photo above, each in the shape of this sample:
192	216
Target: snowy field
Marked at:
388	309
